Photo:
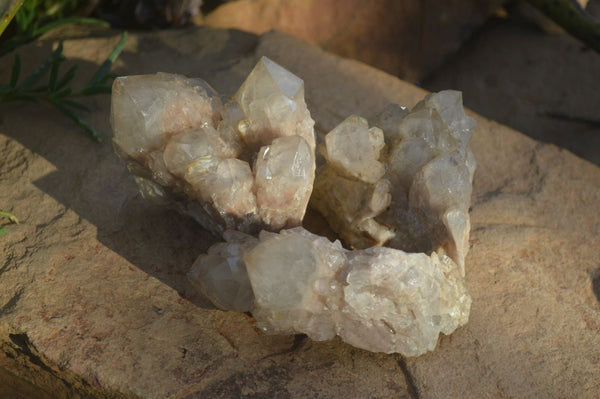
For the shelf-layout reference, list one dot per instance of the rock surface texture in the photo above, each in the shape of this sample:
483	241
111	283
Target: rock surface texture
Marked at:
93	286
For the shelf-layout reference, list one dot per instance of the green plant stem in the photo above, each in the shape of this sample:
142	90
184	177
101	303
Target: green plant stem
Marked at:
9	14
57	92
9	216
573	19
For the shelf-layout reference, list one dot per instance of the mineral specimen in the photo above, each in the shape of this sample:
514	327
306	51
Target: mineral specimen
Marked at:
247	164
405	184
379	299
403	180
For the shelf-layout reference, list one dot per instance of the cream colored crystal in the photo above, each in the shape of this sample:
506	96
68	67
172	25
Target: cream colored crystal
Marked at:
379	299
419	201
270	104
246	165
281	172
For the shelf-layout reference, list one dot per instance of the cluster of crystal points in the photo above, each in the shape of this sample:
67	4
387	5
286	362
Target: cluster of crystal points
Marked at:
380	299
247	164
403	181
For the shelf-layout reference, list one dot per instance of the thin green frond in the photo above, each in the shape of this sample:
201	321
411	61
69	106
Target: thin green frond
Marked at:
77	119
75	104
9	216
65	21
102	73
16	70
42	70
9	14
88	91
67	77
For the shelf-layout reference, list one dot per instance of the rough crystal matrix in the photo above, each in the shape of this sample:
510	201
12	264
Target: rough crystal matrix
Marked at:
402	180
245	165
380	299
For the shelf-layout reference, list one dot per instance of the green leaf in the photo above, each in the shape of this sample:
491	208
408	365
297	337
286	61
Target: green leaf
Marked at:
2	231
101	74
65	21
54	73
9	15
25	15
67	77
16	69
42	70
80	122
75	104
88	91
63	93
21	97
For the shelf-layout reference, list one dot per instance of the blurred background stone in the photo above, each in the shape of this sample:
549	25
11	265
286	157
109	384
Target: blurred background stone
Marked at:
405	38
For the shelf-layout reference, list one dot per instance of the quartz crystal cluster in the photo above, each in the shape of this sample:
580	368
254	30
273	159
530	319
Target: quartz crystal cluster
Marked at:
405	182
396	190
247	164
380	299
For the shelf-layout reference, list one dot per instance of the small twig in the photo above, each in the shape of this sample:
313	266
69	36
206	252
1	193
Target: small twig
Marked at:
573	19
575	119
9	216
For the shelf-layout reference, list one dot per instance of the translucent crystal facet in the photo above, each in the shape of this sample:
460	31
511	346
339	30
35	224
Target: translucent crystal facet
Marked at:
379	299
221	273
246	165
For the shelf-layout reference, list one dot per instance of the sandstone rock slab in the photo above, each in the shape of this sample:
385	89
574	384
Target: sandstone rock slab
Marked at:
95	277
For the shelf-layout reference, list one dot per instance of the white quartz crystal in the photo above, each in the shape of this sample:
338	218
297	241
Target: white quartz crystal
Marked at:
247	164
379	299
405	184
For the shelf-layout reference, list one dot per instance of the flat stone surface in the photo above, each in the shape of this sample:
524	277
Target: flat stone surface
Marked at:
94	276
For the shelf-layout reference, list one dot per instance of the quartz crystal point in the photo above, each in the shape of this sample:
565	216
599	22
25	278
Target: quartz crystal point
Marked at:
221	273
379	299
247	164
404	182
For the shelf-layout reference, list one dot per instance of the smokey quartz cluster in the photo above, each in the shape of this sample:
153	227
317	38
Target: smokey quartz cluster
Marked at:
396	191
